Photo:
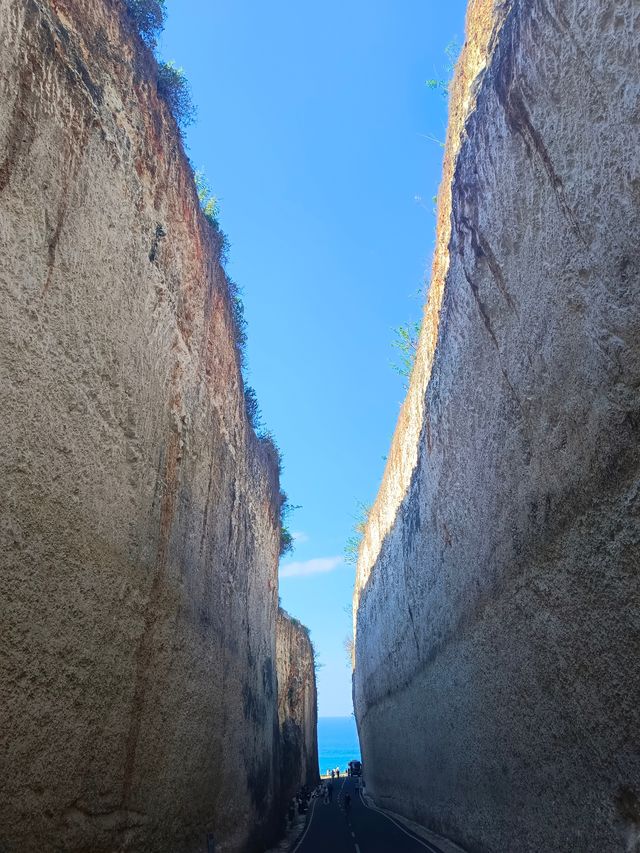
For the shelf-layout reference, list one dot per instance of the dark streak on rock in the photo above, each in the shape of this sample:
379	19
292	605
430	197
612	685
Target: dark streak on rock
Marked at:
484	313
146	647
508	86
413	627
487	322
54	238
21	126
205	515
159	234
76	69
483	250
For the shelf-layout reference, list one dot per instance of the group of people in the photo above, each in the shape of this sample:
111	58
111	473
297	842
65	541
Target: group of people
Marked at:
300	803
325	791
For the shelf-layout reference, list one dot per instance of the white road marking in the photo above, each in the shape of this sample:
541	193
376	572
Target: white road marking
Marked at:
401	828
302	837
357	849
353	835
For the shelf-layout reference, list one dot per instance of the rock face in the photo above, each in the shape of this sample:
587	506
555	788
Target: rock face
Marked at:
297	706
139	522
497	597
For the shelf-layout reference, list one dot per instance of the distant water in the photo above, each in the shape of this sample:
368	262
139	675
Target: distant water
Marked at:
337	742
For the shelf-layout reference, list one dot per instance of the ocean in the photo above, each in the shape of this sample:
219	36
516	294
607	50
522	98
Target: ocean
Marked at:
337	743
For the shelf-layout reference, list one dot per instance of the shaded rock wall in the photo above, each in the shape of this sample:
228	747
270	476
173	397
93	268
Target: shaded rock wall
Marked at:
139	529
497	593
297	706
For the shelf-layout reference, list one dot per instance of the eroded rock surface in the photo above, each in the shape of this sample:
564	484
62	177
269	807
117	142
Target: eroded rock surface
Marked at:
139	530
297	706
497	597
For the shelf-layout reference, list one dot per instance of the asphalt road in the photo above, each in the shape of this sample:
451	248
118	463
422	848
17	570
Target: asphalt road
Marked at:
363	830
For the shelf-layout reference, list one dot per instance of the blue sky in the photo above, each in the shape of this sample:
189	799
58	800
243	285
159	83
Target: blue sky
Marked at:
313	126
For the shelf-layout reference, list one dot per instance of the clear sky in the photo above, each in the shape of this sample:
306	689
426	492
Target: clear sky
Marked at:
313	126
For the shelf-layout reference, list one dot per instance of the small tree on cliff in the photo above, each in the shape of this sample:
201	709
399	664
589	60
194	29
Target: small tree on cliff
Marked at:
174	87
443	84
208	202
149	17
406	343
286	537
349	646
352	545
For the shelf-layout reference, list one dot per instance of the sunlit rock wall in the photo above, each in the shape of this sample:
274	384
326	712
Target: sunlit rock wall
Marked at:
497	602
139	528
297	706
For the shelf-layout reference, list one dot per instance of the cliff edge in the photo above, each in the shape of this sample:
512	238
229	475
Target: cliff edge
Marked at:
497	591
140	529
297	706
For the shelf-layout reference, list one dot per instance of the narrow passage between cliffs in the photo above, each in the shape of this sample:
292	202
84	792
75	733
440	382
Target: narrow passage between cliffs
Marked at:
356	828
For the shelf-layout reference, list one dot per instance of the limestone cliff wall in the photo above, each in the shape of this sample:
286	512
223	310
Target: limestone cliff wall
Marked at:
297	706
139	528
497	596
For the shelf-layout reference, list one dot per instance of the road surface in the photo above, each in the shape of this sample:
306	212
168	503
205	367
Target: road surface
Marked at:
364	830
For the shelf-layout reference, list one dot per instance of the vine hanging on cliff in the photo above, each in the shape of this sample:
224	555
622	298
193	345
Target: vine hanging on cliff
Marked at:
252	408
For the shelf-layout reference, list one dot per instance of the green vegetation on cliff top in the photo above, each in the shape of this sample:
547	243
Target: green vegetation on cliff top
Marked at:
148	18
